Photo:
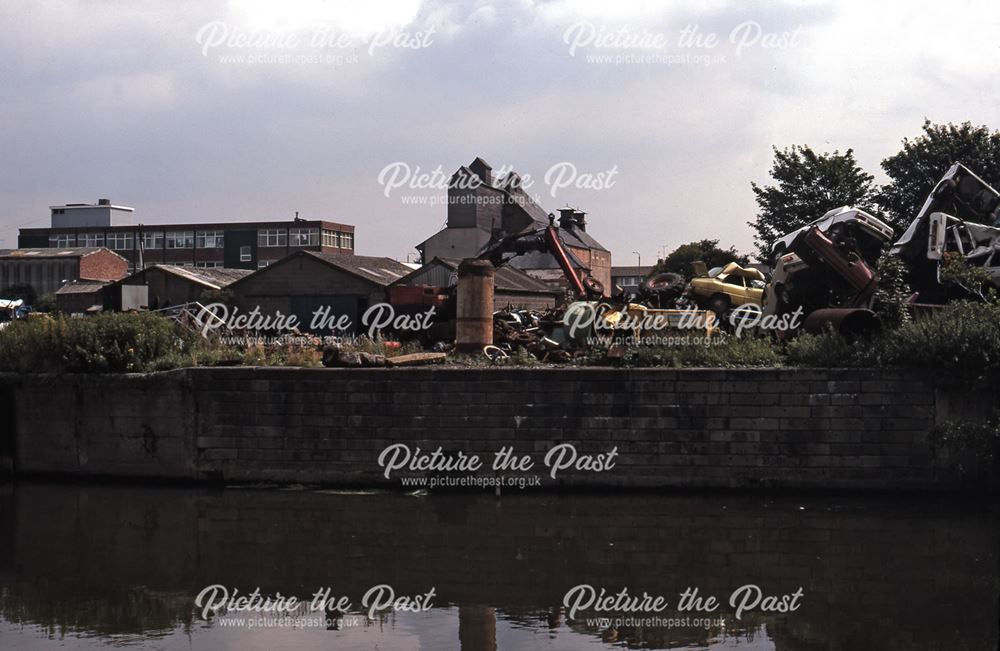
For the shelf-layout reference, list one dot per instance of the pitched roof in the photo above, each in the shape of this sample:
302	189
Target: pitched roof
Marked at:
507	279
381	271
69	252
211	277
82	287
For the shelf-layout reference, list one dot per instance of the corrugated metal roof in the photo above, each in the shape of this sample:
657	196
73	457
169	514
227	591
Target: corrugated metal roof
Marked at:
211	277
71	252
382	271
507	279
81	287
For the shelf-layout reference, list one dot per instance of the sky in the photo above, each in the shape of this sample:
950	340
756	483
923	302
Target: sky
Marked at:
653	117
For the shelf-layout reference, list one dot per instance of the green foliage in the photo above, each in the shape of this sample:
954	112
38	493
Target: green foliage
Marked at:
914	171
679	260
19	291
961	342
889	301
718	351
807	185
973	280
113	342
45	303
971	442
828	349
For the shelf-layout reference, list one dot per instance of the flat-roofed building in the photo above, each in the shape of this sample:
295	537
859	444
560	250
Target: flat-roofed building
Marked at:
234	245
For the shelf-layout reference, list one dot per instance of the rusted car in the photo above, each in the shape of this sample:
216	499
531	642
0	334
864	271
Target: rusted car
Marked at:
725	287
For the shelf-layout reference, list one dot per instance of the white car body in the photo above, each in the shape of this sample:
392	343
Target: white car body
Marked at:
844	215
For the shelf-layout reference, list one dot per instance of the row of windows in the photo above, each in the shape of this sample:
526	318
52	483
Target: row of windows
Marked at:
269	237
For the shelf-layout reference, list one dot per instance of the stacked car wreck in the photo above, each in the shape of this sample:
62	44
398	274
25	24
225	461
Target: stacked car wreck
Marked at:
830	268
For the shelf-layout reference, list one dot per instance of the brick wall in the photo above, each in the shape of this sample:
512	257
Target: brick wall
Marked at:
672	428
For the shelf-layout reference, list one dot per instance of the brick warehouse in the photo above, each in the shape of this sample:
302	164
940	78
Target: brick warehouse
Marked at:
235	245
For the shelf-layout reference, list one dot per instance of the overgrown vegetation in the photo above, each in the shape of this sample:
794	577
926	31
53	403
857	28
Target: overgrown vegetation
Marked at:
143	342
974	444
961	341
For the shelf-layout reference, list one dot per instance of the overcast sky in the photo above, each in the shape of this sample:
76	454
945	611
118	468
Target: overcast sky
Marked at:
150	104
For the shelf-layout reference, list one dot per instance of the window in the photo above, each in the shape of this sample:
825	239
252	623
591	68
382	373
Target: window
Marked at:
119	241
209	239
347	240
263	263
207	265
62	240
152	241
180	239
91	239
303	236
330	238
733	280
58	211
272	237
245	255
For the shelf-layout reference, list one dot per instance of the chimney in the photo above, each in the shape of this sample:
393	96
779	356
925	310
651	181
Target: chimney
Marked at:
104	202
566	218
581	220
483	170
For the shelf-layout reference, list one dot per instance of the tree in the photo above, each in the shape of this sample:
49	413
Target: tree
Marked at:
23	291
916	169
807	185
679	260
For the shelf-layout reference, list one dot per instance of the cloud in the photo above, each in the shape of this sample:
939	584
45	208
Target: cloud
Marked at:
119	99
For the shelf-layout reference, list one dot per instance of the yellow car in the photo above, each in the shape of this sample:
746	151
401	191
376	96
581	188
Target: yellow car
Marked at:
725	287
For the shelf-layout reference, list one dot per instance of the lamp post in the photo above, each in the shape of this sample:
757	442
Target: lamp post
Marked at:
638	258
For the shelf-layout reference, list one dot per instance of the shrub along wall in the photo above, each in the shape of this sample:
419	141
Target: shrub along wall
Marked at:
840	428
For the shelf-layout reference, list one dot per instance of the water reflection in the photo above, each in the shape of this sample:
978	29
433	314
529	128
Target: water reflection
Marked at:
90	566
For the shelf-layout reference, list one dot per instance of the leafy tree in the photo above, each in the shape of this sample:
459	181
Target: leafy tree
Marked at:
22	291
807	185
916	169
679	260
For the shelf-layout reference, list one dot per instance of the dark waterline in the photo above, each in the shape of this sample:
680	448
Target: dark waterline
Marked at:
91	566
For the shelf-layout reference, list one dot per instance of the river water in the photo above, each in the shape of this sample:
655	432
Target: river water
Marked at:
99	566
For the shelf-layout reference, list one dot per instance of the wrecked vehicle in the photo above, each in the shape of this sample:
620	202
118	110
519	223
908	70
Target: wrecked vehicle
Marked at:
953	219
828	271
725	287
853	227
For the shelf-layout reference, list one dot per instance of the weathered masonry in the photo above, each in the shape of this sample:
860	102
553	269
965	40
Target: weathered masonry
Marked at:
672	428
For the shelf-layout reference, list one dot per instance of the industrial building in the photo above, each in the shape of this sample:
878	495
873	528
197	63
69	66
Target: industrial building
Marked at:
45	270
482	208
306	281
512	287
162	285
234	245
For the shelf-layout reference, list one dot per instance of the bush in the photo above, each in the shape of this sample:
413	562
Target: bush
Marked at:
828	349
719	351
113	342
962	339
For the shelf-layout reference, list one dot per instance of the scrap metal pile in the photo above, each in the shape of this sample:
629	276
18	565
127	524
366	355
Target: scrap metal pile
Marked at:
827	271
